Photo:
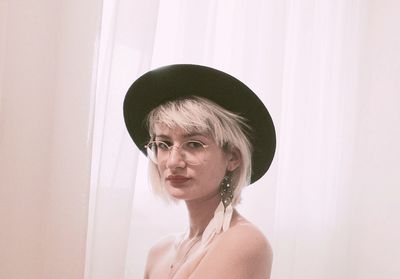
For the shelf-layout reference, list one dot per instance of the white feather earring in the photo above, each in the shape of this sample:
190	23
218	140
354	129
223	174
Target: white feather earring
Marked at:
219	217
223	213
227	217
214	226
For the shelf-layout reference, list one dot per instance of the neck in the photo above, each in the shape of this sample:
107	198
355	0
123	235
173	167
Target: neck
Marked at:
200	214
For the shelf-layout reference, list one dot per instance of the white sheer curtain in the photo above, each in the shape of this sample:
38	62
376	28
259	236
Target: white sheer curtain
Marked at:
329	202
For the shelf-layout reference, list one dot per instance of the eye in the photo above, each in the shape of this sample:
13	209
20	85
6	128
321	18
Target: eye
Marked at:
193	145
161	145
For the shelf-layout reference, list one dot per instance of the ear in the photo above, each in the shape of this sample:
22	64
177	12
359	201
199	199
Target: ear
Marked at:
234	159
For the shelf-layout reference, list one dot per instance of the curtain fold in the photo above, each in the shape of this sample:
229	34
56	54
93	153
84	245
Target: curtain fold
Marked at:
125	51
315	65
319	111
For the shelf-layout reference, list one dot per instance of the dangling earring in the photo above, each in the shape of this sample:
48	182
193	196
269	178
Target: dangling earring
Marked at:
223	213
226	189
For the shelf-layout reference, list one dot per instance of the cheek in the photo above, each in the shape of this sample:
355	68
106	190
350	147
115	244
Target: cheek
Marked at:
215	170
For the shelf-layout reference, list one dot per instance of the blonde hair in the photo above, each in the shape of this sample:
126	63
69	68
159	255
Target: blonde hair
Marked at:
199	115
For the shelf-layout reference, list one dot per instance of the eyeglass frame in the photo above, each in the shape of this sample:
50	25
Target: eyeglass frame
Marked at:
170	147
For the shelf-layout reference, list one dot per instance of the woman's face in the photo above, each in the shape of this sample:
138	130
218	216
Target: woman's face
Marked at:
183	179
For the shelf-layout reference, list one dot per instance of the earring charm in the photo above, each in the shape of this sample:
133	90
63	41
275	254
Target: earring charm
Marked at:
226	190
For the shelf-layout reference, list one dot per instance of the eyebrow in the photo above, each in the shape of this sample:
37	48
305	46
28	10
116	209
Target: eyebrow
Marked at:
184	136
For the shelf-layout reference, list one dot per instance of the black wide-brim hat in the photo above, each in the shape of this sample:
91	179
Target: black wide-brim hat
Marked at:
178	81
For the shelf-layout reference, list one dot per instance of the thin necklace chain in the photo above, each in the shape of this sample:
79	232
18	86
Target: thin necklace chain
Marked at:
174	267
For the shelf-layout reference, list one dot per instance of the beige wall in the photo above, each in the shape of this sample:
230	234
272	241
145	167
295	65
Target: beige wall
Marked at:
46	61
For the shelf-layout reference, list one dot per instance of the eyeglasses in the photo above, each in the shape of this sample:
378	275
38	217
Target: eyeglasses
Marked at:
192	151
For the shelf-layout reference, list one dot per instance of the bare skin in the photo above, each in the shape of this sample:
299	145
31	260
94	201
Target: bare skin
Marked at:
241	252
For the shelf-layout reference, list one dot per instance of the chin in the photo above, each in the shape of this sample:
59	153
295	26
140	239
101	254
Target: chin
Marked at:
177	193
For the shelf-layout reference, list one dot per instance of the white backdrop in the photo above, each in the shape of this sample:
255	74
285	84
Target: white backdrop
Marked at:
329	202
327	70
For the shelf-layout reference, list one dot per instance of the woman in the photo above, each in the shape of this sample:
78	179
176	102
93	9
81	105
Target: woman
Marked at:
207	135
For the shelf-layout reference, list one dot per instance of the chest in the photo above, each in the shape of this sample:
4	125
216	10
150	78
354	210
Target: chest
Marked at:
176	265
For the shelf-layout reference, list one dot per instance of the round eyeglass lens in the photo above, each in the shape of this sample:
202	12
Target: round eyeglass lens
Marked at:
192	151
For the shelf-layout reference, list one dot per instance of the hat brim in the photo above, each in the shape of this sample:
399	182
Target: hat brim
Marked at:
180	80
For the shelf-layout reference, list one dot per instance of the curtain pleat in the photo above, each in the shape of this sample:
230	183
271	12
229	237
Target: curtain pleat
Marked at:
315	65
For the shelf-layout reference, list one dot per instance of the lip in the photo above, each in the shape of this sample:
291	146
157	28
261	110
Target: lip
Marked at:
177	179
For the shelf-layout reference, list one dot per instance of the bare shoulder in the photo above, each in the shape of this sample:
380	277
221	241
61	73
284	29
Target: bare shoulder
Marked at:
244	240
241	252
250	234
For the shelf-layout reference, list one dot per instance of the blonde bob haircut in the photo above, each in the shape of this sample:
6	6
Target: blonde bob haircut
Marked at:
199	115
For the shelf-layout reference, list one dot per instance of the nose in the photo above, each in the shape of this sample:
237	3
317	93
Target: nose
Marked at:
175	159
